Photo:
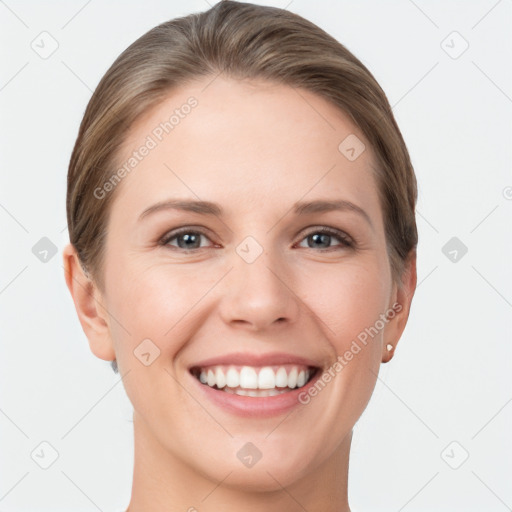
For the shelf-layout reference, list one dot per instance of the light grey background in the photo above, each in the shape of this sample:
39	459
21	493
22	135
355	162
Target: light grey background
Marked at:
450	378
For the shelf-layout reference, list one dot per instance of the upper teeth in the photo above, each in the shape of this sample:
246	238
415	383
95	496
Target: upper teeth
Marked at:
248	377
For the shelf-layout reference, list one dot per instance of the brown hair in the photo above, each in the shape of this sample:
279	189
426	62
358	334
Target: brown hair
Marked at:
241	40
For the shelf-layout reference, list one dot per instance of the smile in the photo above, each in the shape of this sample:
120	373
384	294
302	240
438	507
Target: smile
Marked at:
252	381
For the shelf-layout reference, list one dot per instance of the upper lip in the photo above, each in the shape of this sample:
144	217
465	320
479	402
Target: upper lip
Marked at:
247	359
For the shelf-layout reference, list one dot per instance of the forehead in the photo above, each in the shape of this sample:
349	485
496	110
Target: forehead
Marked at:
246	144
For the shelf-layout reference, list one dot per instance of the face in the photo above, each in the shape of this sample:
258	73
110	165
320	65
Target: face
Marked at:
255	291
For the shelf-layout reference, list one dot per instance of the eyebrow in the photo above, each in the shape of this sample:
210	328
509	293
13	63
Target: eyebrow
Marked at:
299	208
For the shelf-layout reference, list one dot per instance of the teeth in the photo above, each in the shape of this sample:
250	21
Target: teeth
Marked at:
267	378
281	378
255	392
211	378
220	378
248	378
292	378
250	381
232	378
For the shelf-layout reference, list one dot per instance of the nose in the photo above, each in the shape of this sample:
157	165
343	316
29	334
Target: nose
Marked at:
258	295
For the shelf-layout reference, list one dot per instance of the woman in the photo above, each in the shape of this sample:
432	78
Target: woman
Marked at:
243	249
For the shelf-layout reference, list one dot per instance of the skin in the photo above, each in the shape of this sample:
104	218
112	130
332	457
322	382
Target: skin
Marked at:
256	149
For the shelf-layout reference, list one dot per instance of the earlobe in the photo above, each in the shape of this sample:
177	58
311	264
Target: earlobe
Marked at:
403	300
389	353
89	305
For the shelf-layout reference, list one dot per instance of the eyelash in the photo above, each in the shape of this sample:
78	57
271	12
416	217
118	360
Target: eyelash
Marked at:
346	241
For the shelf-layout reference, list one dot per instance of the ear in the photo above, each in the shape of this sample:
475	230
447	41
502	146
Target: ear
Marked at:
399	308
89	305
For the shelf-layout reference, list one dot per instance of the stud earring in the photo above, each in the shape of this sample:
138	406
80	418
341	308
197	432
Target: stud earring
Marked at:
389	347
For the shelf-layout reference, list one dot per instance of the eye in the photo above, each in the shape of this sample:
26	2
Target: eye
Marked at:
186	238
324	235
189	239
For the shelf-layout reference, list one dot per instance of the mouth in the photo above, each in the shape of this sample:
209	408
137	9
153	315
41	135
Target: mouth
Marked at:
255	381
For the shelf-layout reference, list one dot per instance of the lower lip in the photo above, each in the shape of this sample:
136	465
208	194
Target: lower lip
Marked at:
262	406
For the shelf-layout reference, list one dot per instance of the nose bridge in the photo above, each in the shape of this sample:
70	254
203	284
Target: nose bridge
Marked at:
256	291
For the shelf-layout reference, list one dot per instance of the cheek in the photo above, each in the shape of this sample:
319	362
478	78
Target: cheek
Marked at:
155	301
348	298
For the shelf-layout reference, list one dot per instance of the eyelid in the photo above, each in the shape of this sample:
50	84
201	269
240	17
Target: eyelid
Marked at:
343	236
173	233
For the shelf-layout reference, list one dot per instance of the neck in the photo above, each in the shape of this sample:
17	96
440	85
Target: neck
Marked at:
163	482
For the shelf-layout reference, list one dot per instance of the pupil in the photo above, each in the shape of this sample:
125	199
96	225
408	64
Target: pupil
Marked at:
321	237
188	238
